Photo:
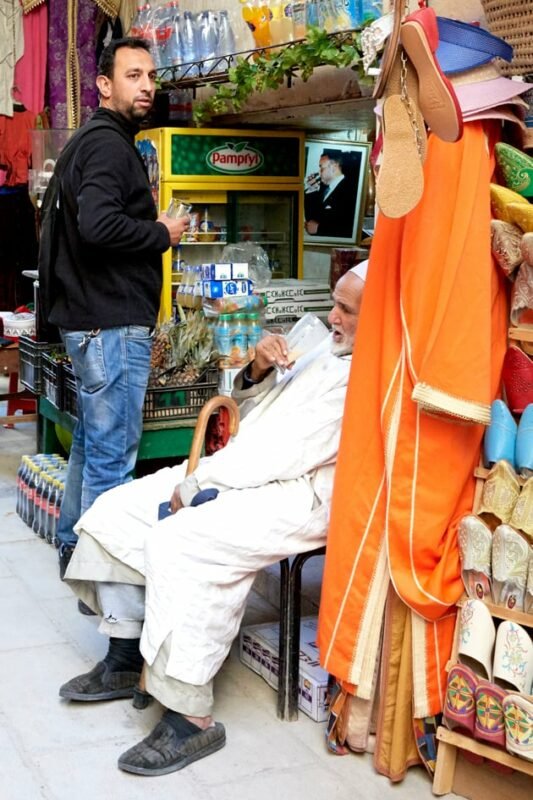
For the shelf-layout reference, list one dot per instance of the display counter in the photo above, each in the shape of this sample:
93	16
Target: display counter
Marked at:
160	439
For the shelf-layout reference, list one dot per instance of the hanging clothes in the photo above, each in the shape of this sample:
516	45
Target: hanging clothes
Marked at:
11	49
427	363
73	31
15	145
30	69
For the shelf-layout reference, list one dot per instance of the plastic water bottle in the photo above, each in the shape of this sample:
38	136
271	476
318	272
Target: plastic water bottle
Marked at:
226	41
207	40
223	335
189	48
174	49
162	19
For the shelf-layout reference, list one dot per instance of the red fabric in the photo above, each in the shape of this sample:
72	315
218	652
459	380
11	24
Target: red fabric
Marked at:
15	145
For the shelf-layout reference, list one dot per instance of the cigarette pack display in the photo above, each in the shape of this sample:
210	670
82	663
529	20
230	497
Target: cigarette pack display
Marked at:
226	288
217	272
239	270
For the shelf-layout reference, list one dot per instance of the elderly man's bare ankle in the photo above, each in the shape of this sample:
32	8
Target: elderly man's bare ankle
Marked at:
201	722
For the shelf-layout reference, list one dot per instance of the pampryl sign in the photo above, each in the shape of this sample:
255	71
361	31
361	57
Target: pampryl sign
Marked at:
235	158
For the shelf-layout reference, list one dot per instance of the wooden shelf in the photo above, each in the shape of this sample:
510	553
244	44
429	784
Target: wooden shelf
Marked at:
501	612
449	741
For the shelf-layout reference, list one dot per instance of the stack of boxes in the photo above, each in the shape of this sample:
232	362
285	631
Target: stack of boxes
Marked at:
259	650
290	299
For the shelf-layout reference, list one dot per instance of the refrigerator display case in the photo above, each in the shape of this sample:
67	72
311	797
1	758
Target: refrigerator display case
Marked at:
243	186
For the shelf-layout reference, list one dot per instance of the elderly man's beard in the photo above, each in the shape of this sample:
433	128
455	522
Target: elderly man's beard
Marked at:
343	348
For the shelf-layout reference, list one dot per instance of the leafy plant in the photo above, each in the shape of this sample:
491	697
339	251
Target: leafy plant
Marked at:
269	70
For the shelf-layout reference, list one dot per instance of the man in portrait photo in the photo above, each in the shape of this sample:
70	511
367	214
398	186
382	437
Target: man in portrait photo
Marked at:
330	197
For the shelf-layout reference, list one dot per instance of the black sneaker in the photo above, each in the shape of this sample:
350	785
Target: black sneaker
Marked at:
64	554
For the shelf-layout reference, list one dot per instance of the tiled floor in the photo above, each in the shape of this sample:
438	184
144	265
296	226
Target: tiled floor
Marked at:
54	750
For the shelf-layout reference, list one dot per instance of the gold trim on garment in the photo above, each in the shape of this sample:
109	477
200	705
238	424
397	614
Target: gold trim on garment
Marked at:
73	68
109	7
435	400
30	5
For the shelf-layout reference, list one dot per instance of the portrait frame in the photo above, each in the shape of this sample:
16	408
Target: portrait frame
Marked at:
354	157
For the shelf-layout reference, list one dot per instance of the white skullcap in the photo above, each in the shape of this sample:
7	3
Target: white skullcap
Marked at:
360	270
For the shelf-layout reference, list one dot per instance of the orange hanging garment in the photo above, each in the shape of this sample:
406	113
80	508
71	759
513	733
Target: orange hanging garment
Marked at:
427	362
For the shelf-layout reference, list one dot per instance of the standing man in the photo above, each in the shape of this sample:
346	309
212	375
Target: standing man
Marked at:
107	276
329	200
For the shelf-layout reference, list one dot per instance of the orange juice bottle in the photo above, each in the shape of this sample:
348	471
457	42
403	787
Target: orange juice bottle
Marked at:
256	14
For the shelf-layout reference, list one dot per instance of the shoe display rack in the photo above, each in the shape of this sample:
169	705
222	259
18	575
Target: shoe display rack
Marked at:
455	773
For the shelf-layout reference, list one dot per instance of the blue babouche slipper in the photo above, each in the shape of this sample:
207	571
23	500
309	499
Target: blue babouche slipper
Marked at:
524	442
500	437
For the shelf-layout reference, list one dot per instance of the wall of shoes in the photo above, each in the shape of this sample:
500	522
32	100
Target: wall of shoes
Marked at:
488	710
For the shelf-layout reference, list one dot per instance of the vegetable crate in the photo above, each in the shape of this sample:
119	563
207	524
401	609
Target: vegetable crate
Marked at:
51	383
70	397
31	362
176	402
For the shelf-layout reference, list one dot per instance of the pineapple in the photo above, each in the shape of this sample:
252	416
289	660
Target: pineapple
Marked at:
183	351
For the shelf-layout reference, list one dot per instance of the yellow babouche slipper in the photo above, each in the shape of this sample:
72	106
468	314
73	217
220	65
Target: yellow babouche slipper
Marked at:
501	198
522	215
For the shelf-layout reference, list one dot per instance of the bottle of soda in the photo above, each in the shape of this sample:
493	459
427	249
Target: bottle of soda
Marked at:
43	516
51	526
25	488
20	483
37	493
34	477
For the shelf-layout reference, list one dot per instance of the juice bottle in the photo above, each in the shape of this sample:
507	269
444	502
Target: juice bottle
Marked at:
256	14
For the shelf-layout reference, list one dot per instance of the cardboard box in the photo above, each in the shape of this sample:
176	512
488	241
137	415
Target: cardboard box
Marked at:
214	288
298	308
259	650
294	289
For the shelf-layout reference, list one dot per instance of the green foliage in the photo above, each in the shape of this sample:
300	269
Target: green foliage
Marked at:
270	69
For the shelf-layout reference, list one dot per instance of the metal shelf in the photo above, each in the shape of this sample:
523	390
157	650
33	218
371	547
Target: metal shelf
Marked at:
193	74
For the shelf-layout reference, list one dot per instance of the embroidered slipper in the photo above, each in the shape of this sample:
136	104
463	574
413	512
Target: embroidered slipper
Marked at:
510	556
173	744
513	658
489	726
500	492
516	168
459	711
518	713
460	707
475	546
517	378
522	517
419	35
528	601
476	638
501	198
400	181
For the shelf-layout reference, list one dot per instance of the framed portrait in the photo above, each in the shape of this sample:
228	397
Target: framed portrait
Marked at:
335	186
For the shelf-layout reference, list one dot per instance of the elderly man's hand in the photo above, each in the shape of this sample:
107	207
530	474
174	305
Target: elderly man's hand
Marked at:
269	351
175	500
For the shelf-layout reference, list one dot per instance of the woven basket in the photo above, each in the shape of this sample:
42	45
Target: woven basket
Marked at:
513	21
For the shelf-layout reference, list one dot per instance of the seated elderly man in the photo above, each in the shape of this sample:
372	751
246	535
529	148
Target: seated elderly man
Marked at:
175	589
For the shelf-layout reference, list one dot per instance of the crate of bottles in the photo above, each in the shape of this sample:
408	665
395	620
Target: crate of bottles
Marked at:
31	362
69	396
51	381
177	402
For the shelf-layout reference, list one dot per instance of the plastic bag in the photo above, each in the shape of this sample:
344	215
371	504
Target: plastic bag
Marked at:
256	258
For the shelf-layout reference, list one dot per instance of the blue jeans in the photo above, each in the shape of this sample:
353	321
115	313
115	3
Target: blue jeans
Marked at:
112	367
